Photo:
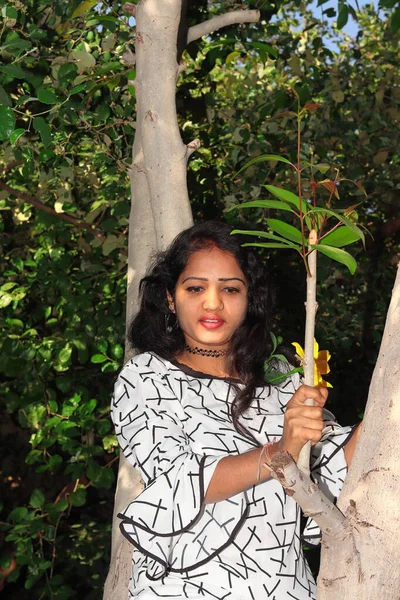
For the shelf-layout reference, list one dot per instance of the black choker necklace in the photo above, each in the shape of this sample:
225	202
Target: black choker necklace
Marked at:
202	352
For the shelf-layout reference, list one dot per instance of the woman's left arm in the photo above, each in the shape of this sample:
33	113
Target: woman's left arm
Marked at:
350	447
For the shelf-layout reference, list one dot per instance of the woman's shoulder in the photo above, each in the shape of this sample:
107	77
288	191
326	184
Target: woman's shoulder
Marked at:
146	363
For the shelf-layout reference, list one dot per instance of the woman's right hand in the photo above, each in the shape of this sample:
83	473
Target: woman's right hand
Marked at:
302	423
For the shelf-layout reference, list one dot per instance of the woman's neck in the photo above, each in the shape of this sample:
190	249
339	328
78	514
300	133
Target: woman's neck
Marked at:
217	366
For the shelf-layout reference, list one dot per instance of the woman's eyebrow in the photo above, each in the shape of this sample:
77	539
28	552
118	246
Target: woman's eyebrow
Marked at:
231	279
197	278
219	279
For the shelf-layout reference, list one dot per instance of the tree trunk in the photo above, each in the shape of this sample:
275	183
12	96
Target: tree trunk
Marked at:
160	202
160	207
365	566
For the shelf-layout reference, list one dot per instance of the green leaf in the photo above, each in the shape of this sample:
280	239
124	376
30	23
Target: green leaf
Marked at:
287	196
18	515
231	57
269	236
110	367
105	480
9	11
343	16
84	60
352	226
271	245
79	344
5	299
395	21
83	8
65	354
116	351
7	122
47	96
261	204
37	499
276	377
264	158
98	358
4	97
16	134
110	442
16	44
342	236
9	285
77	498
322	167
264	50
274	341
17	72
43	129
15	323
285	230
61	505
77	89
338	255
102	345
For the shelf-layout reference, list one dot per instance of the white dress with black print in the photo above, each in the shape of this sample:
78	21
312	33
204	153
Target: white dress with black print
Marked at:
174	425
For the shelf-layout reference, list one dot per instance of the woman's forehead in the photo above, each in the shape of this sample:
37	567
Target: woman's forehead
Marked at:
213	263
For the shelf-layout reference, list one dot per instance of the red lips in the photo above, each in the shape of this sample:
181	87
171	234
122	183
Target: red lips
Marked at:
211	321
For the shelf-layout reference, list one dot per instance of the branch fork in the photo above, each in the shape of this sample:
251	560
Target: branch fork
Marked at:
310	498
231	18
192	147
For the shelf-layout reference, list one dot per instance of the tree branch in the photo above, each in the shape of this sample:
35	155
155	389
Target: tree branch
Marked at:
64	217
309	497
192	147
303	461
129	8
230	18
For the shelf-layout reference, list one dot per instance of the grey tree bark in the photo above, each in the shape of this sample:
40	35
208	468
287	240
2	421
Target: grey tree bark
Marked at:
365	564
160	206
360	536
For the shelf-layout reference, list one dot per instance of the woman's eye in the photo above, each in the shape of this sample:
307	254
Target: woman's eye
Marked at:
231	290
194	289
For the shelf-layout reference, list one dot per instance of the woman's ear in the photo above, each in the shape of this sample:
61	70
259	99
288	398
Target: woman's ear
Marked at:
171	303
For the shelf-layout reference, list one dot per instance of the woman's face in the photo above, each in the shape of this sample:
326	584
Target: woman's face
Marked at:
210	298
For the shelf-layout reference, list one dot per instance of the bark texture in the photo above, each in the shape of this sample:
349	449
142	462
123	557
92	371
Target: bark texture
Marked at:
160	207
365	566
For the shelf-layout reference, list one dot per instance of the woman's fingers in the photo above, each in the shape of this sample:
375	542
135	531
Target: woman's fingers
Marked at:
304	392
302	423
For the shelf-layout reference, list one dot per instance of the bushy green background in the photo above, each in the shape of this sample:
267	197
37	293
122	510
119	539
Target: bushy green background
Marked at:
67	122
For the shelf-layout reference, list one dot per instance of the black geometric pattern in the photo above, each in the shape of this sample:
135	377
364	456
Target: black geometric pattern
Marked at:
174	425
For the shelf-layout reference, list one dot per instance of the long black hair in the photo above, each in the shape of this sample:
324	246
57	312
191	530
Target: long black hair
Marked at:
250	343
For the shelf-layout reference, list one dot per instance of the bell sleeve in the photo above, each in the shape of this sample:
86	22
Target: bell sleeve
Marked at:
168	521
328	467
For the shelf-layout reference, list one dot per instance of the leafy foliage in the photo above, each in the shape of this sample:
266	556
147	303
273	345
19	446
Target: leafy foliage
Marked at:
66	128
68	123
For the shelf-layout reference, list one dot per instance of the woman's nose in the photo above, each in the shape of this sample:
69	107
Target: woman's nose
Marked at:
213	300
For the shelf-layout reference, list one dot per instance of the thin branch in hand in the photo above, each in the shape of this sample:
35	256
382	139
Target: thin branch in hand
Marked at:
231	18
41	206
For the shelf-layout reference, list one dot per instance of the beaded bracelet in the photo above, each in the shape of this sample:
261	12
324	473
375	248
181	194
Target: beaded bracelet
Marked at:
265	452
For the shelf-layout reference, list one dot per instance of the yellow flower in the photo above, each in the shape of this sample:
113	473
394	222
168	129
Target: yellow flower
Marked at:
321	366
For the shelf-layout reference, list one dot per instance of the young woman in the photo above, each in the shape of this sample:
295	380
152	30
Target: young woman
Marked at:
193	414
